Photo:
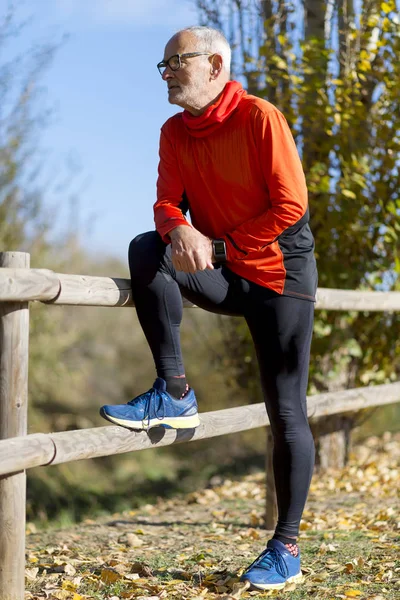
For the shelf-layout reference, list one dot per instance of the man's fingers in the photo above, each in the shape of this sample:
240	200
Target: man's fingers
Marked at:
203	262
184	263
175	261
191	251
191	260
178	265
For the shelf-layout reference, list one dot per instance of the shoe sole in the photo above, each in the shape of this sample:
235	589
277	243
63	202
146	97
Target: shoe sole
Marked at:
276	586
171	423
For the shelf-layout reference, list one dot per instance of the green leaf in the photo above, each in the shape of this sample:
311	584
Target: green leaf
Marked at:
397	264
349	194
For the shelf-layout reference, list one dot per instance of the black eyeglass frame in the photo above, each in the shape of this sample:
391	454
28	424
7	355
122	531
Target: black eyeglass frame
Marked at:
163	64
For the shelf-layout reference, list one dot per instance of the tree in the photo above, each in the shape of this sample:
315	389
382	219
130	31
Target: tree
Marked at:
22	218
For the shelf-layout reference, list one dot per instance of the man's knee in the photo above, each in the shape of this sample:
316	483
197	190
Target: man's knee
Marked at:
145	254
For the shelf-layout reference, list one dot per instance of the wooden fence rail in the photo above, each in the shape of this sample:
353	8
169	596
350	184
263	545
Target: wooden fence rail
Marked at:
40	449
20	285
23	285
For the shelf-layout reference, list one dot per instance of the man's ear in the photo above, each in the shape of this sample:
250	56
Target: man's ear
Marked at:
216	65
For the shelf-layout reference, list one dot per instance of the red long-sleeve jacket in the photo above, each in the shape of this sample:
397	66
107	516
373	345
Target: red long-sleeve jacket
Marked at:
239	170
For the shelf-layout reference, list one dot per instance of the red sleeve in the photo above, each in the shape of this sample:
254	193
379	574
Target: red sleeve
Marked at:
285	181
167	214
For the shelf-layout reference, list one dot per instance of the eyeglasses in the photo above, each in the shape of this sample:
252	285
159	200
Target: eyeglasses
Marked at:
174	62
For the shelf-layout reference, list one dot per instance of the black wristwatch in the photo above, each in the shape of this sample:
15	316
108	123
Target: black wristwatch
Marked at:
219	250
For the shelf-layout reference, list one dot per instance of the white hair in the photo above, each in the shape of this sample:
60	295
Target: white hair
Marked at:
213	40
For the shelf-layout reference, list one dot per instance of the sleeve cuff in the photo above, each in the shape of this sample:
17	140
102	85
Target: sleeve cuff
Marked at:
169	226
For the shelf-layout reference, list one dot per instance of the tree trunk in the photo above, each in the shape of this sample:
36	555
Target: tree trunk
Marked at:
332	441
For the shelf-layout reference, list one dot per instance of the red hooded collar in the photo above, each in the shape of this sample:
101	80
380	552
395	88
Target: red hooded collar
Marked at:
217	113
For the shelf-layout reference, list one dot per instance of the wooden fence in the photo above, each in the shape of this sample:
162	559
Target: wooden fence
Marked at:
20	285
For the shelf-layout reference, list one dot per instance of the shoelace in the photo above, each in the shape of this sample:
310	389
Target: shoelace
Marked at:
271	557
150	402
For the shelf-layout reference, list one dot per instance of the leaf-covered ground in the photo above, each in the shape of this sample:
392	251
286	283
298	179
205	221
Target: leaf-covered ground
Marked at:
195	547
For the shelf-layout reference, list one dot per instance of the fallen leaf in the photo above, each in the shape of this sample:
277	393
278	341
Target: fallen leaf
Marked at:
133	541
109	576
131	576
121	568
320	576
68	585
251	533
31	573
69	570
239	588
256	519
33	559
203	497
142	569
61	595
290	587
30	528
324	548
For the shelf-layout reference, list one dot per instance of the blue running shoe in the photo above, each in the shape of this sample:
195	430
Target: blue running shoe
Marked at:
155	408
274	568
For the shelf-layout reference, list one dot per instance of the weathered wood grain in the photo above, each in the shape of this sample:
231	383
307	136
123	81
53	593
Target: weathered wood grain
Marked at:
332	403
86	290
25	452
357	300
14	338
32	284
105	441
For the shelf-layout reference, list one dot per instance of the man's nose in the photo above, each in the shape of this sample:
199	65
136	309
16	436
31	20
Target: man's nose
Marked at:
168	73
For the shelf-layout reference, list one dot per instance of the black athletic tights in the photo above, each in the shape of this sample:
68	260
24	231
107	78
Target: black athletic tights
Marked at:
281	327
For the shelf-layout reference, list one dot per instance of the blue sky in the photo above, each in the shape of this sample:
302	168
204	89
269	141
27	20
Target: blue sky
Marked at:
109	104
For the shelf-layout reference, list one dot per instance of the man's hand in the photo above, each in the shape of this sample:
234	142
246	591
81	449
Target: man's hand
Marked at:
191	250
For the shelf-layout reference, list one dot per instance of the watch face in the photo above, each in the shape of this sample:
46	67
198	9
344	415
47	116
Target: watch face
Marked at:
219	249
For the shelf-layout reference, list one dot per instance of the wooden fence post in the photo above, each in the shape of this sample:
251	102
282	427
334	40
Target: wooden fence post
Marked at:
271	507
14	339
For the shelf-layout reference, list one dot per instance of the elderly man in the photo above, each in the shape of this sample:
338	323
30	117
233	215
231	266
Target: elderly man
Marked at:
230	159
